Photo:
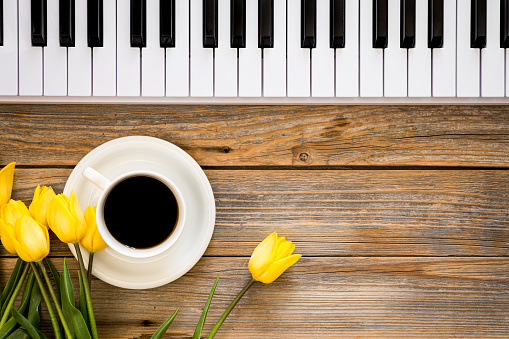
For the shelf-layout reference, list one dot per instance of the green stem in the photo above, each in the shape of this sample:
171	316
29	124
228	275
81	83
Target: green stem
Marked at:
89	270
88	297
67	331
54	322
14	295
230	308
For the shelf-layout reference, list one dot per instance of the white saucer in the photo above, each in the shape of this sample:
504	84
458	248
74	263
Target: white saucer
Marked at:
115	157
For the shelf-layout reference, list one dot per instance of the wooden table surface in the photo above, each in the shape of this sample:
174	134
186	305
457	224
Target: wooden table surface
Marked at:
401	214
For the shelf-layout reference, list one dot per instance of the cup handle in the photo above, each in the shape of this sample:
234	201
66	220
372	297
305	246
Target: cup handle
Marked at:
96	178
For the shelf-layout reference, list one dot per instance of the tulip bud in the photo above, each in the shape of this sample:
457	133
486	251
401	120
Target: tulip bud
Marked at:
66	219
30	239
40	203
271	258
92	242
6	179
14	209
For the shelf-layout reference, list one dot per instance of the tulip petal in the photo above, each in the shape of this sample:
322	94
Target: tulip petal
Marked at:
33	238
6	231
6	179
277	268
263	255
284	250
92	242
13	210
40	203
60	219
81	226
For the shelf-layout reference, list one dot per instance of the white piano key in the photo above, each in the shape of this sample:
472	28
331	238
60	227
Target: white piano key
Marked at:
104	59
347	59
444	59
371	59
152	56
274	59
202	59
492	57
55	57
467	59
177	58
80	56
419	57
322	57
30	58
250	58
225	62
128	58
298	59
395	57
9	50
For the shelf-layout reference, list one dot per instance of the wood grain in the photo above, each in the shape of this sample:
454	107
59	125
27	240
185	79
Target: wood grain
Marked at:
266	135
319	298
345	212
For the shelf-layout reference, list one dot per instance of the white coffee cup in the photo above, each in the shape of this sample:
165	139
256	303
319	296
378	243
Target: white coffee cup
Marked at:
107	186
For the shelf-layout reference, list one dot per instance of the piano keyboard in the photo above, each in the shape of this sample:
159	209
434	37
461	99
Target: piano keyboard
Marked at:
254	51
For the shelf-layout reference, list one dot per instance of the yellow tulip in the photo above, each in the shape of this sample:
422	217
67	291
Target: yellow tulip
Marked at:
271	258
66	219
30	239
9	214
5	228
40	203
92	242
14	209
6	179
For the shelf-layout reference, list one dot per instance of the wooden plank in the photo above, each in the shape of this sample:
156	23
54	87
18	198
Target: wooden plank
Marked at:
320	298
345	212
265	135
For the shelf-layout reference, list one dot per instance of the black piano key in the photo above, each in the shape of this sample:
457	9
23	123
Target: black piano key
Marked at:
66	22
95	23
380	23
2	22
435	23
167	23
478	24
337	23
308	23
266	23
138	23
407	24
39	17
238	23
210	23
504	23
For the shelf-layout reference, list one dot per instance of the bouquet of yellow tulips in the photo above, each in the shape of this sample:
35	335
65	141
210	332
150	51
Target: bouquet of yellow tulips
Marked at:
24	231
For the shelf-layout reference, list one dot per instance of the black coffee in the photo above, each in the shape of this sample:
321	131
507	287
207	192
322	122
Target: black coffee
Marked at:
141	212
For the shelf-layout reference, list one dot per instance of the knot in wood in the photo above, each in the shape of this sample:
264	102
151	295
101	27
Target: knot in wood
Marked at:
304	157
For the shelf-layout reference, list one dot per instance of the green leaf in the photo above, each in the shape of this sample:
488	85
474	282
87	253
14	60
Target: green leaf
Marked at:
20	333
55	274
80	327
26	292
41	336
201	322
11	283
67	296
82	306
11	324
162	329
26	324
34	310
8	327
